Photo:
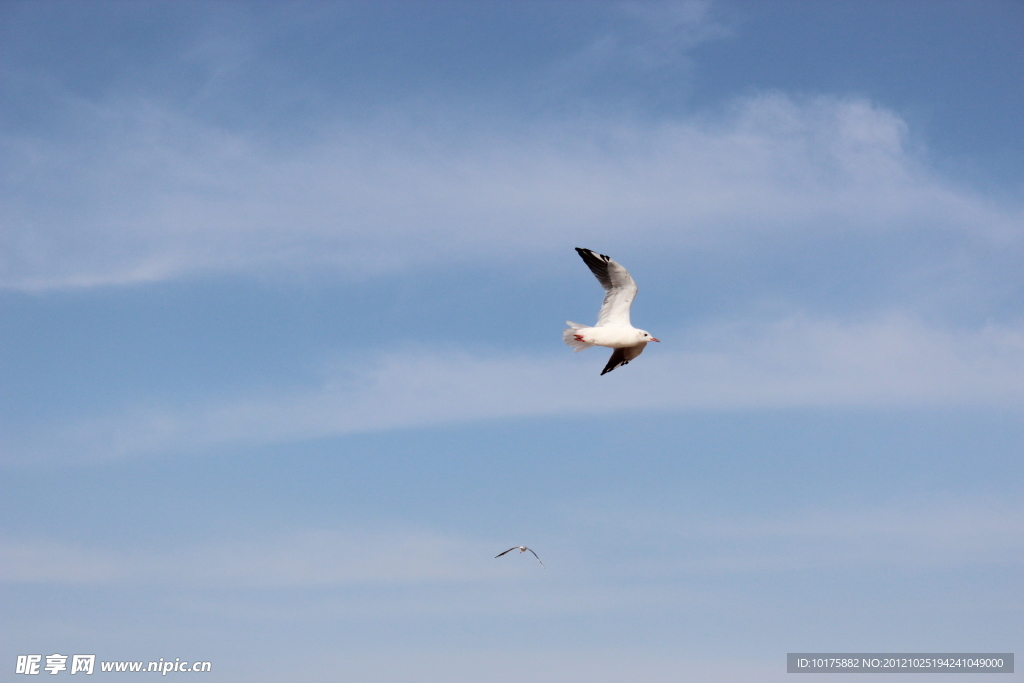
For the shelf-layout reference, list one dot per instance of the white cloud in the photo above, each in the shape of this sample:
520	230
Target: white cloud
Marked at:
301	558
144	193
55	562
912	534
795	362
653	36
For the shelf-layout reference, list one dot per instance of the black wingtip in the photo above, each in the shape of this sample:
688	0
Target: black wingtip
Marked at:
611	366
618	358
591	254
598	264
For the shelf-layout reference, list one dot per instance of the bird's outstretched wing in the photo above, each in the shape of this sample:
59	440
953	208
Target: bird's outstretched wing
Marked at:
618	285
507	551
537	556
623	356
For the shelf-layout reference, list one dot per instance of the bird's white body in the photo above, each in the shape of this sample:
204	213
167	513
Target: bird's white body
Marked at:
613	329
617	337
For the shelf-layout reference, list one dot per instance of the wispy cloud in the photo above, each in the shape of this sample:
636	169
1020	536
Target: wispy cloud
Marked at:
794	362
905	533
55	562
908	535
148	193
301	558
651	36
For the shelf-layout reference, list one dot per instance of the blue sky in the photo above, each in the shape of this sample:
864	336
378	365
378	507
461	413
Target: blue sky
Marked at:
281	294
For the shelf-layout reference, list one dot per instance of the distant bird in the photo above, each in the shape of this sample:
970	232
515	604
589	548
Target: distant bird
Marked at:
521	549
613	328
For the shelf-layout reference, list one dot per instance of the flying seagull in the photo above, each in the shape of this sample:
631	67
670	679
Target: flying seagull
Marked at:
521	549
613	328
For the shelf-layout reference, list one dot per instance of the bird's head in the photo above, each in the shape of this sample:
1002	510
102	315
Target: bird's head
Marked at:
644	336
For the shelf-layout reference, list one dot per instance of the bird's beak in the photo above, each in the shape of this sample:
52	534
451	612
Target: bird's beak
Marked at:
653	339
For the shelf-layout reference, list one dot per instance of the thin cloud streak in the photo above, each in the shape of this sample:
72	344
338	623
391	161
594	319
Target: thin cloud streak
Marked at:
791	363
654	37
910	535
145	193
302	558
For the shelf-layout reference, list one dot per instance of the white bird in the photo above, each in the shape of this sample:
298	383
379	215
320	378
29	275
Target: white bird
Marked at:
613	328
521	549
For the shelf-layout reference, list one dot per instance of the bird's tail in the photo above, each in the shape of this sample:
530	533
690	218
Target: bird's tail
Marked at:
569	337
